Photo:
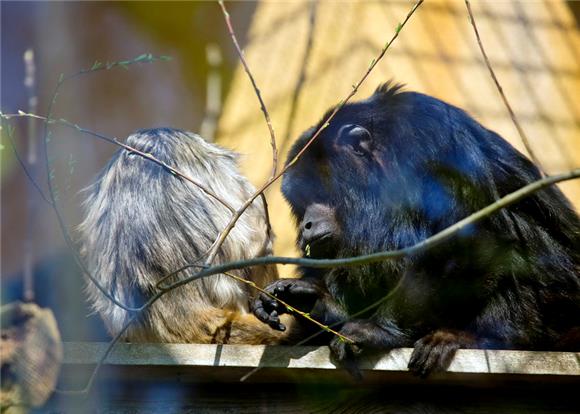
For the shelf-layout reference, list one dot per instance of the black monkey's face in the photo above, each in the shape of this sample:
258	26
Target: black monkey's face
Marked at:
384	174
340	176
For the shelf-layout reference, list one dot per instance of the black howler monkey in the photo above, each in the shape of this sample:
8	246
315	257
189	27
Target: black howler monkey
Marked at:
394	169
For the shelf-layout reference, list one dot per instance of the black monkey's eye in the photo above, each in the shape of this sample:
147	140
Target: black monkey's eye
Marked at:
356	137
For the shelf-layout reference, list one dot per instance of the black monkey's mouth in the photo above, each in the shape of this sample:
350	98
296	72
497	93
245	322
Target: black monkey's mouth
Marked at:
317	247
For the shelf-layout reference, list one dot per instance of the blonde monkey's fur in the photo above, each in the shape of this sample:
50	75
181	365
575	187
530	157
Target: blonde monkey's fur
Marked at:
142	222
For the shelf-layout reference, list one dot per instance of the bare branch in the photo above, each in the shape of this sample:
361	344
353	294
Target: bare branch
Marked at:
102	360
24	167
392	254
97	66
351	261
226	231
521	132
51	191
355	87
292	309
129	148
338	323
256	89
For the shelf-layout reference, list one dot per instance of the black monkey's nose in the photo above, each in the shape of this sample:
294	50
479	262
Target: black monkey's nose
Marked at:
318	224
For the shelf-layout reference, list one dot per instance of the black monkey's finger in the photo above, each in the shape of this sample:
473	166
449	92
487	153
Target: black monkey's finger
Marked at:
274	322
341	350
415	356
443	355
338	349
269	304
355	349
302	289
430	364
271	318
418	346
280	289
419	357
344	354
436	362
279	326
259	311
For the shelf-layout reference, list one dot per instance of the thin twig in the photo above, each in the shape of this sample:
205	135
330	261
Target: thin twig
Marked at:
256	89
226	231
269	231
292	309
101	361
129	148
60	218
391	254
24	167
328	328
355	87
97	66
521	132
114	141
159	285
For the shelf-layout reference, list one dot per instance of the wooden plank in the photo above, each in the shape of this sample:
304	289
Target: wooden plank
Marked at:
466	361
193	378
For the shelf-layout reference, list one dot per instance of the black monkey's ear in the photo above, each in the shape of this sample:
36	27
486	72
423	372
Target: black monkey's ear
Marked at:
355	138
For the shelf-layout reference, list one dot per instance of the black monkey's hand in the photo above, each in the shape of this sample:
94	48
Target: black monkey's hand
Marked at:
366	334
343	349
434	352
345	352
298	293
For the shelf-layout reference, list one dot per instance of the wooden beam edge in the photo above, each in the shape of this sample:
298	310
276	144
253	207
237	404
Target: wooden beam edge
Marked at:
466	361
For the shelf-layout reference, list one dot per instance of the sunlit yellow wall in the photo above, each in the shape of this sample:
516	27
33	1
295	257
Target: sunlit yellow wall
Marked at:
534	47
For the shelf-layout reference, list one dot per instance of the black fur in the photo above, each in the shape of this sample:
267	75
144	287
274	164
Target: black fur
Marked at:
415	166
